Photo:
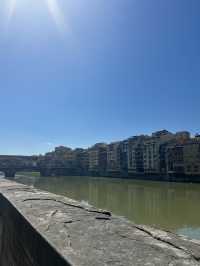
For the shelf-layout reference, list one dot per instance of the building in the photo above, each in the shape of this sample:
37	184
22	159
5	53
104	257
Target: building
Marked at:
191	155
175	160
174	156
154	152
162	153
82	161
124	157
135	154
164	134
64	153
113	158
62	157
98	159
183	156
182	137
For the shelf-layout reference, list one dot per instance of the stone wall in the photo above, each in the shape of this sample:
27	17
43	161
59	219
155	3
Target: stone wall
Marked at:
38	228
20	243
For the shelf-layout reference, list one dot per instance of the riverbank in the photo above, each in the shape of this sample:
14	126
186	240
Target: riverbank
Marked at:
152	177
80	234
135	176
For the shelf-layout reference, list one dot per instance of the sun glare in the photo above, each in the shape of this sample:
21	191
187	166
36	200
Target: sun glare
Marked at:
11	8
56	14
53	9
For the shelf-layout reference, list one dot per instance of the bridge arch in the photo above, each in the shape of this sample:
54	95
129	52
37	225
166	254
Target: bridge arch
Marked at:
10	164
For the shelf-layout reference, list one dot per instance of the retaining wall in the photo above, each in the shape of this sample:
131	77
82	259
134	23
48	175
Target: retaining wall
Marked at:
38	228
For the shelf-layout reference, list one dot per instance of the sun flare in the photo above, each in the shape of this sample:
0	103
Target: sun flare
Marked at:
11	8
56	14
53	9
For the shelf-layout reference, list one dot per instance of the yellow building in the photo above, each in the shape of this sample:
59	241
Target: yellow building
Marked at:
152	155
191	153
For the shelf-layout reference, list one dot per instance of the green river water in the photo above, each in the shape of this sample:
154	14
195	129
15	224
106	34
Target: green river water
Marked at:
171	206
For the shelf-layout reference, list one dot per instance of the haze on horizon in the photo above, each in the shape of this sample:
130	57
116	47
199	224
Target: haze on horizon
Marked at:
79	72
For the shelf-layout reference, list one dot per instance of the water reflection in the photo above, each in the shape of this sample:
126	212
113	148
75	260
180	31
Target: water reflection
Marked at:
172	206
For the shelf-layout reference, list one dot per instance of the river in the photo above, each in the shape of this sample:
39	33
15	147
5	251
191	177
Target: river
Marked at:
171	206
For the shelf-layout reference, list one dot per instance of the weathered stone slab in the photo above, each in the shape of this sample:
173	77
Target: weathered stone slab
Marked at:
83	235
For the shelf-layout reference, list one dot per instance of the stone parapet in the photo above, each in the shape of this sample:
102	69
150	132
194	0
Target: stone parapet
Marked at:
38	228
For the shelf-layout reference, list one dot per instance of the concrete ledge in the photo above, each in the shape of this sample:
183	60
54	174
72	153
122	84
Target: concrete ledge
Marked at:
42	229
21	244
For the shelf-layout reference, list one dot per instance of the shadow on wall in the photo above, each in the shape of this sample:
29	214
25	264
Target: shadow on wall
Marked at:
21	244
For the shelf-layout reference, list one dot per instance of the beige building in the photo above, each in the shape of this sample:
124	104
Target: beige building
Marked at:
98	158
60	157
153	153
191	154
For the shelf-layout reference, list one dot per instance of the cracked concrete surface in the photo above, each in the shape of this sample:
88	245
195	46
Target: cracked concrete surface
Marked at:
84	235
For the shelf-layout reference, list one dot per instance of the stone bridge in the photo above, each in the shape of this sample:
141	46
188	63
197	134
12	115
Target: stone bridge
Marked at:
11	164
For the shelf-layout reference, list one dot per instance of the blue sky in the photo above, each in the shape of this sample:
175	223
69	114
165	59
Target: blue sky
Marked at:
80	72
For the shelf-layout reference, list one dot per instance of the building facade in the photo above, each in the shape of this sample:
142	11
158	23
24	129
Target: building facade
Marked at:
162	153
113	158
136	154
124	158
191	155
154	152
175	160
82	161
98	159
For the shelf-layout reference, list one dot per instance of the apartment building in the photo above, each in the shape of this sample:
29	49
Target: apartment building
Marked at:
161	153
60	157
65	153
113	157
82	160
175	159
124	157
135	154
98	158
154	151
191	155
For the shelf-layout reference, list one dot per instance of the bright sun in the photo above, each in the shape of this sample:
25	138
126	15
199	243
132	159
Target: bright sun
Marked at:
12	6
53	8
